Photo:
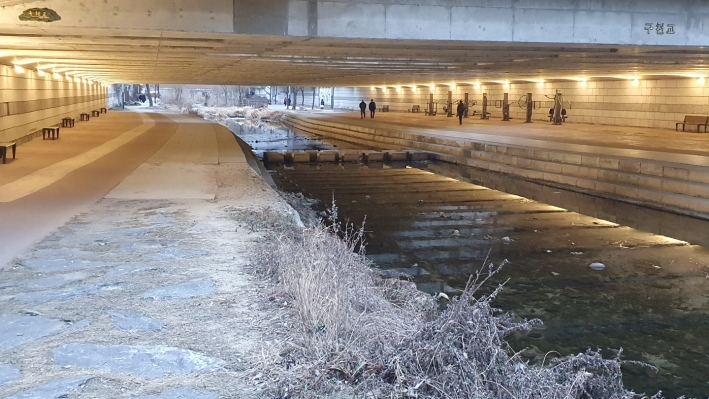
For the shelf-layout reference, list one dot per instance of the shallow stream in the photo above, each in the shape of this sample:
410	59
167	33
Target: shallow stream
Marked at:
438	222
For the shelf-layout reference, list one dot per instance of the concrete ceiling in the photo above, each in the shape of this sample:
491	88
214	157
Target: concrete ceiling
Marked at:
133	56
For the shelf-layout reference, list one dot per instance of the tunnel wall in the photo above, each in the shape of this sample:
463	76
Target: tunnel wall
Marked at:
652	103
29	102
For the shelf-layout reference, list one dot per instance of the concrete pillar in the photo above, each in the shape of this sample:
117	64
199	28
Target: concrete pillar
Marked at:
450	104
430	104
332	98
484	114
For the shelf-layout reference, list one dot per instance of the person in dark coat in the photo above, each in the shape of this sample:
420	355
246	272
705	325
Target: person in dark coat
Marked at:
461	112
372	108
363	109
322	103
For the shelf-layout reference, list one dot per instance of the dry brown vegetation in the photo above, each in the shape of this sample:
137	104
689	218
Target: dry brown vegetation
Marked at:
354	333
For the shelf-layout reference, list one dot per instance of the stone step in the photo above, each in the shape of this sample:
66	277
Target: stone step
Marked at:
681	187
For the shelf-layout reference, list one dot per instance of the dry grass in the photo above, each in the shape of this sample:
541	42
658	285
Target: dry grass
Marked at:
356	334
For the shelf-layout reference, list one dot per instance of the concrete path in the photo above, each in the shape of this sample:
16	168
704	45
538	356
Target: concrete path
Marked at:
144	293
664	145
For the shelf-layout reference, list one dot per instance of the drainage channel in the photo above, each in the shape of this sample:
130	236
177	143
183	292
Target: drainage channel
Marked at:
651	299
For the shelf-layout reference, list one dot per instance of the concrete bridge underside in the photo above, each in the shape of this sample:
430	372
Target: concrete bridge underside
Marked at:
357	43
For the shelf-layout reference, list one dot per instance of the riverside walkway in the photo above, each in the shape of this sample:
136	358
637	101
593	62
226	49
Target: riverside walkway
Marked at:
658	168
126	249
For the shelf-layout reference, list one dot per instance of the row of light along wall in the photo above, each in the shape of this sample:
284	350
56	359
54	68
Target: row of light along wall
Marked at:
634	81
69	76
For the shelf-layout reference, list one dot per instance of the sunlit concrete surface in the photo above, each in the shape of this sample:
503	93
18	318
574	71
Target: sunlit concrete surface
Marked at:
178	169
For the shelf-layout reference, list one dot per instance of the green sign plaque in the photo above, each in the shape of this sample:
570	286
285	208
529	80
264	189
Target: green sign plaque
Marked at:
40	15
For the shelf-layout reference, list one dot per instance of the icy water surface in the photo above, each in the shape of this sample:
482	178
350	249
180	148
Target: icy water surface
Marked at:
437	223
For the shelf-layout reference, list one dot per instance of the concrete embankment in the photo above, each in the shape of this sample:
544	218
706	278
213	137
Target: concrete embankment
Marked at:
674	182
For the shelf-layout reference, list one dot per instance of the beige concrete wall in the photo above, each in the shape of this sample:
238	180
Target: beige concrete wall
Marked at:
29	102
652	103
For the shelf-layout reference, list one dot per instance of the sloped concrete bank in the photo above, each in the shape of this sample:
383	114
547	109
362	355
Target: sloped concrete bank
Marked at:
676	187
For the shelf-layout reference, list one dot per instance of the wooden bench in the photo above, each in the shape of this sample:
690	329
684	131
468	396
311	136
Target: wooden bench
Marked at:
693	120
68	122
52	132
84	117
103	110
95	113
415	108
385	108
3	150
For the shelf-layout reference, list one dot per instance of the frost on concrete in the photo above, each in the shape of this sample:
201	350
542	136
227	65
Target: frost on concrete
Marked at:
182	393
18	330
64	293
60	265
8	374
56	389
181	291
143	361
130	321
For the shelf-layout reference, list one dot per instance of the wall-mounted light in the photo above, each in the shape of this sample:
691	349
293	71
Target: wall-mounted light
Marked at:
701	80
40	73
506	85
452	86
432	87
583	82
636	82
374	88
19	69
56	76
398	89
540	83
477	85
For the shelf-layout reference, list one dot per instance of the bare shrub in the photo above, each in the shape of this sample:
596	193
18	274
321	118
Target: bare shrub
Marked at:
358	334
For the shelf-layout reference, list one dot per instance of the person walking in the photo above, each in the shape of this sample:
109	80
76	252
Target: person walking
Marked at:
363	109
461	112
372	108
322	103
285	101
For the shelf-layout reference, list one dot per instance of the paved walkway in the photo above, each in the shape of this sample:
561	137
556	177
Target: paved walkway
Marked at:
129	274
667	145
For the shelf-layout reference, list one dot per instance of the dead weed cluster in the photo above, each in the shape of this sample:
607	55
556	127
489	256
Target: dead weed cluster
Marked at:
358	334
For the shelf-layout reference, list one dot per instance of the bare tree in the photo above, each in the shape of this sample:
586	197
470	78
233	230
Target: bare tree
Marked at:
147	93
225	89
178	93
